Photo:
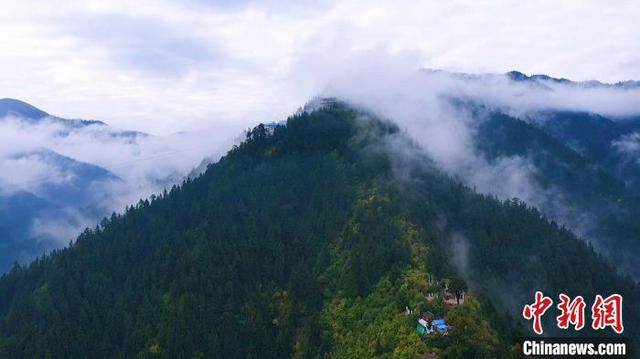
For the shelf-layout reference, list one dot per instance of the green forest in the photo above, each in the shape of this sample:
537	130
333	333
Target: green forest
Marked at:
310	239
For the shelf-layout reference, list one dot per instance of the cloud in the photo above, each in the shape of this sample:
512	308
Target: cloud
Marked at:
81	173
145	44
628	144
426	106
166	66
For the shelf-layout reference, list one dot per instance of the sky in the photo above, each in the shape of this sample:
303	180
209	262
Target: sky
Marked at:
169	66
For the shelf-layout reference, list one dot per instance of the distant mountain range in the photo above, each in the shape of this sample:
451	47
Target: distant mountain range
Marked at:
519	76
12	108
37	214
17	108
59	176
542	79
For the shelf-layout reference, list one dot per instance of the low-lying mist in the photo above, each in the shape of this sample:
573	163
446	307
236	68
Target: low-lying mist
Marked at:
75	174
430	106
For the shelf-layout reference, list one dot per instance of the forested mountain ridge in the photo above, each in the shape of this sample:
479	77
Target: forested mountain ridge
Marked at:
307	240
597	137
583	193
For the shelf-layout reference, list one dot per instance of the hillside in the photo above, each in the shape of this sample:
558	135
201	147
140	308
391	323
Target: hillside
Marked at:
579	190
598	138
13	107
25	213
308	239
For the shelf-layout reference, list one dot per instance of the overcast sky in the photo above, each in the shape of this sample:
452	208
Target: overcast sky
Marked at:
163	67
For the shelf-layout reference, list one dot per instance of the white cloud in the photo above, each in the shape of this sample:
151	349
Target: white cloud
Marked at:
163	66
76	195
419	102
629	145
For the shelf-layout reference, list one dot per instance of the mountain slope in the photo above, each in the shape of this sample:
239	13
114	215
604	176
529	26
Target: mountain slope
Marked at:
17	108
597	138
10	107
308	241
578	189
20	110
79	177
17	212
47	198
75	194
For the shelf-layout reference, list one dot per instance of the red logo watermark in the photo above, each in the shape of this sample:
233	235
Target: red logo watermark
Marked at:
571	312
536	310
605	312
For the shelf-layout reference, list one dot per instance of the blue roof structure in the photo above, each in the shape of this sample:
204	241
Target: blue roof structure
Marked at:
440	324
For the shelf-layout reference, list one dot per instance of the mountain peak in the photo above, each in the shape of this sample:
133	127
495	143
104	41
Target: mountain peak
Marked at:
516	75
519	76
23	110
13	107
